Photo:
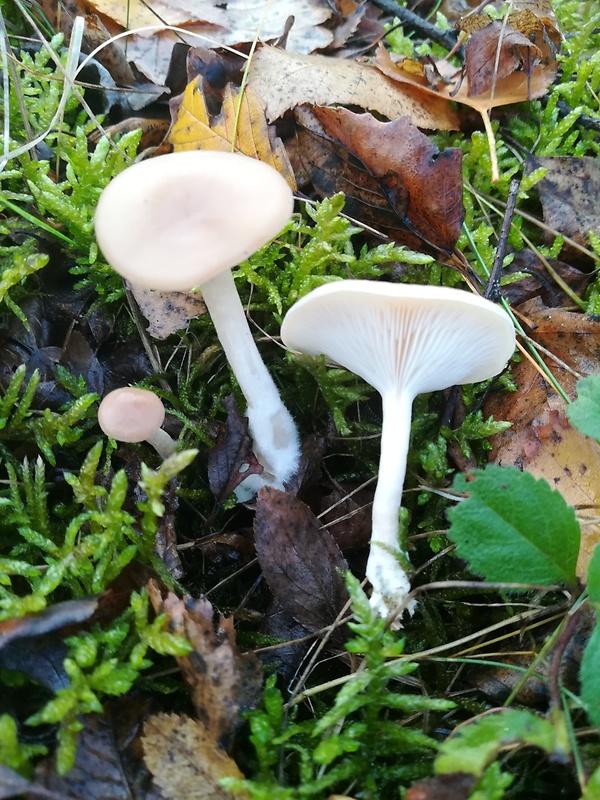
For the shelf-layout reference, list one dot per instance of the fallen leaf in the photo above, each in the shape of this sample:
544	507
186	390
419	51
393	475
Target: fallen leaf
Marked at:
570	197
221	680
500	70
284	80
109	763
60	615
541	439
422	185
242	121
299	559
138	14
231	460
536	281
246	18
167	312
186	761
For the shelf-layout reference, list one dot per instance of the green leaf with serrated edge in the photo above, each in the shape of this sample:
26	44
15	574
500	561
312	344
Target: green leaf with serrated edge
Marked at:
590	677
584	412
477	744
593	577
515	528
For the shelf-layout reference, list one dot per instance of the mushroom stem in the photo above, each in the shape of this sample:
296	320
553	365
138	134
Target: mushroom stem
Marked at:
384	570
162	443
276	441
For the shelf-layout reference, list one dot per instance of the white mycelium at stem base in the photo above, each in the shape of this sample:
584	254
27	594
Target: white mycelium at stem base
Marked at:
404	340
182	221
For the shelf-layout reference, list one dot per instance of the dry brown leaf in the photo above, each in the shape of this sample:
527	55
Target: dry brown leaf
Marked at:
284	80
541	439
246	18
138	13
194	129
167	312
424	186
185	760
221	680
496	88
570	196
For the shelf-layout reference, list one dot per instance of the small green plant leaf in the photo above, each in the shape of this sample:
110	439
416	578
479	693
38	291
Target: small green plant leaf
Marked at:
584	412
477	744
515	528
592	790
590	677
593	578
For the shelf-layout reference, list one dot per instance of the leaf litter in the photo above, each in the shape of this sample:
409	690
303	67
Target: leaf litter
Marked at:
292	112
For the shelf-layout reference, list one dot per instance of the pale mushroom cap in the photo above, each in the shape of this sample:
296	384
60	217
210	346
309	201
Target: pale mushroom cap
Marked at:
421	338
130	414
177	220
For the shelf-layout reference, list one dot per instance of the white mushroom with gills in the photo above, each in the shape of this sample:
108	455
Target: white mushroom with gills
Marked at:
403	340
135	415
183	220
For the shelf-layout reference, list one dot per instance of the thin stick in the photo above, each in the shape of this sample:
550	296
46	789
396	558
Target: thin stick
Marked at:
492	291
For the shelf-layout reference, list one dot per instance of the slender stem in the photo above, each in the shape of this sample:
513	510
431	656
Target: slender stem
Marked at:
276	442
395	435
385	568
162	443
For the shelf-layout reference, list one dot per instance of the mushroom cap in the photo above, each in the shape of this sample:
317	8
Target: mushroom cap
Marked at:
420	338
175	221
130	414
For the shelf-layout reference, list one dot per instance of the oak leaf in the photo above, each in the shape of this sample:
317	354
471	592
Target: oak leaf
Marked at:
241	123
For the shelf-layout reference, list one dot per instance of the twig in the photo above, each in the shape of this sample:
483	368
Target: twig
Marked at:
492	291
413	21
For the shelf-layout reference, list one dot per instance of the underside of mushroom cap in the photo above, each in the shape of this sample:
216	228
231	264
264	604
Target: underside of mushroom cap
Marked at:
423	338
175	221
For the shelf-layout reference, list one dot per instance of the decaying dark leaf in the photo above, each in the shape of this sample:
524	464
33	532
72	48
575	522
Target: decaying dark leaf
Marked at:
538	282
421	185
541	439
60	615
231	460
570	196
186	761
222	681
109	762
292	638
299	559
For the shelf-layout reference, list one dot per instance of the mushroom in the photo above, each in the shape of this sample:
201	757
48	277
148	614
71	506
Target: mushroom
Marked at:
181	221
135	415
403	340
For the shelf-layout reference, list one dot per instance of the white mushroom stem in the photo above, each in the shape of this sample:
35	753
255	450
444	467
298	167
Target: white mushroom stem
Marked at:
162	443
384	570
276	442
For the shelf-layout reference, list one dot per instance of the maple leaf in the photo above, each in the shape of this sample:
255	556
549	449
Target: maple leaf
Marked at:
240	126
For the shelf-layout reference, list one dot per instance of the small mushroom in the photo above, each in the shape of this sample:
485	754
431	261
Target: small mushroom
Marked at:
135	415
183	220
403	340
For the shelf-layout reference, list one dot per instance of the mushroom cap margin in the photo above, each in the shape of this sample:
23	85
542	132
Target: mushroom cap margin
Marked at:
420	338
130	414
177	220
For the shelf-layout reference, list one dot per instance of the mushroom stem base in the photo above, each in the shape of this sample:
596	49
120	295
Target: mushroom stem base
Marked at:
390	582
276	441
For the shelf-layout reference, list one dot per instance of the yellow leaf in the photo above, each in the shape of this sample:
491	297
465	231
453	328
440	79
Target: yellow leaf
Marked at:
242	121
